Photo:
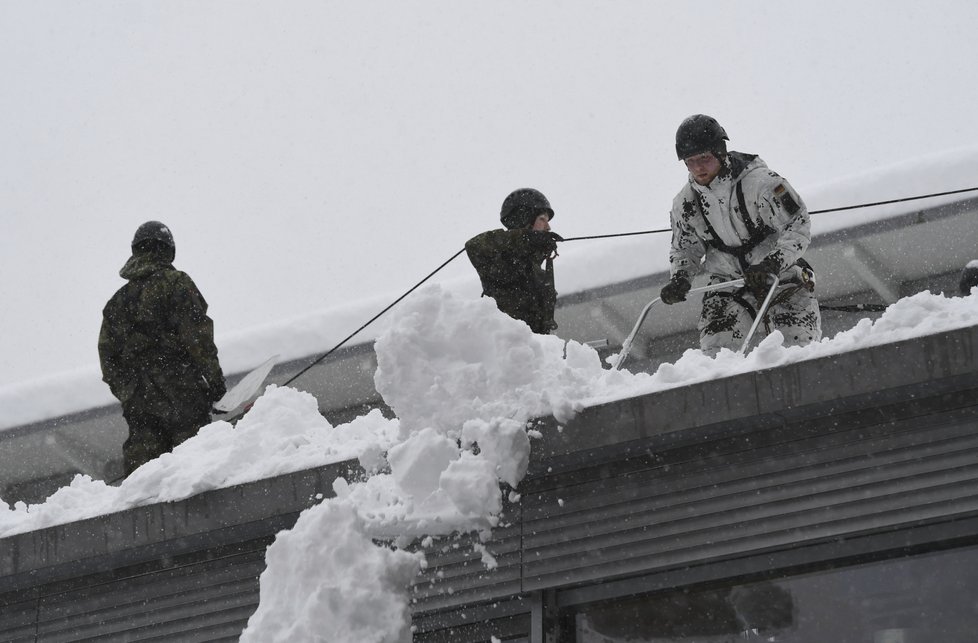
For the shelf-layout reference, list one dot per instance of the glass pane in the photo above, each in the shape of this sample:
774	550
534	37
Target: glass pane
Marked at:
909	600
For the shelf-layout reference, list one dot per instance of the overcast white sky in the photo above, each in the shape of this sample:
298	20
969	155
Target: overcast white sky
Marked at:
309	153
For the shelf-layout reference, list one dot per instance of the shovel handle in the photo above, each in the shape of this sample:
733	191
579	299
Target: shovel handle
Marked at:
627	344
760	313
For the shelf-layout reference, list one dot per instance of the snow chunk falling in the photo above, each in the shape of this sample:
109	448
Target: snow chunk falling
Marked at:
327	581
446	361
418	462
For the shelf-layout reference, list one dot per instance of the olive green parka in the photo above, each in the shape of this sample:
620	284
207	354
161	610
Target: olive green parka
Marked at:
156	345
517	274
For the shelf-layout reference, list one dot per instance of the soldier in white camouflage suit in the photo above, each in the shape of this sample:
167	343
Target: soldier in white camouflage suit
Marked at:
735	218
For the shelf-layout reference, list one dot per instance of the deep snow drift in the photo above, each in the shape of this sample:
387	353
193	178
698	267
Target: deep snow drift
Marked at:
463	380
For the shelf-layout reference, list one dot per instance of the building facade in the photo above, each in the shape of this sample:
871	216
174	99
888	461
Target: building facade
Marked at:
828	500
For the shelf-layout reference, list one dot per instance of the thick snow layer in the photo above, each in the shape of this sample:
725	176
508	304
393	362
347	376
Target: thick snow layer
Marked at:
915	316
464	380
951	170
460	372
283	432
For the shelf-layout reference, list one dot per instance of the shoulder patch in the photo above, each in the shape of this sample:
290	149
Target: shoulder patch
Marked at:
785	199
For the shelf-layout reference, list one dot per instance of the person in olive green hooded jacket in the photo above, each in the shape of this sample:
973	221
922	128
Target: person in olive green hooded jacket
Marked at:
515	265
156	349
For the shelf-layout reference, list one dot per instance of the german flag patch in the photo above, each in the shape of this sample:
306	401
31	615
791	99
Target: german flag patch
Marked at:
784	197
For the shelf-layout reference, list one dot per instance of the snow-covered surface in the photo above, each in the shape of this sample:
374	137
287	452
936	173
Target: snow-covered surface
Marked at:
946	172
476	380
464	380
583	265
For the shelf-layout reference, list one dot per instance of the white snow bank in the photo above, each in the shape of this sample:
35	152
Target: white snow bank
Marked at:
283	432
465	379
933	173
327	581
921	314
447	363
470	362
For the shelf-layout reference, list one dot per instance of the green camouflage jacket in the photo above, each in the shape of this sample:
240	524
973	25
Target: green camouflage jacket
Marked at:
518	276
156	346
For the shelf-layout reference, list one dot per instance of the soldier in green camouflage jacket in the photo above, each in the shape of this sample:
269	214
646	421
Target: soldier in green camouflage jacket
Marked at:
157	351
515	265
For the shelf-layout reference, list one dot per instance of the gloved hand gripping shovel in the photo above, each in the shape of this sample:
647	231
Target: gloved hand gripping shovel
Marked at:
627	344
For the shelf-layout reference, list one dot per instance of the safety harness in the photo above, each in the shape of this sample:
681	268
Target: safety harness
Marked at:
756	233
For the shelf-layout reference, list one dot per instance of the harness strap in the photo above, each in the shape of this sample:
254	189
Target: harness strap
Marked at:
755	233
738	296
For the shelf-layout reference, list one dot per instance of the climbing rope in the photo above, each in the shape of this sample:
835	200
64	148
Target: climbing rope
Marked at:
851	308
374	318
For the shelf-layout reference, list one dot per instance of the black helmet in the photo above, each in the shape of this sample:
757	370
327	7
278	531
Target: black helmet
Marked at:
700	133
522	206
153	231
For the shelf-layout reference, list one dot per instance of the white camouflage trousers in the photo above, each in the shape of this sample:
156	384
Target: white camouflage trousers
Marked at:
727	316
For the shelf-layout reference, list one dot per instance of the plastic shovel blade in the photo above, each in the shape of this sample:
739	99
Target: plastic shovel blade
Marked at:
247	387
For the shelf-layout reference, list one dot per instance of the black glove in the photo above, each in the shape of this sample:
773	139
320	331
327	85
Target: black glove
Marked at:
543	240
757	278
216	388
675	291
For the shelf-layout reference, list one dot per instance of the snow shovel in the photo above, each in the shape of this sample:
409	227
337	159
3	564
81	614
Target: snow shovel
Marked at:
246	388
627	344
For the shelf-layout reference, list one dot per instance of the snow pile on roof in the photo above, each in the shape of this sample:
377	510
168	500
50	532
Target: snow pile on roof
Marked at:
472	363
459	374
464	380
915	316
933	173
283	432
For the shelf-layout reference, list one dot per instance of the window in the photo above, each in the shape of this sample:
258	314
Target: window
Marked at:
926	598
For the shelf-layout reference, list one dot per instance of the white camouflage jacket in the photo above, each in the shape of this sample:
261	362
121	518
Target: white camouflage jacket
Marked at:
774	207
